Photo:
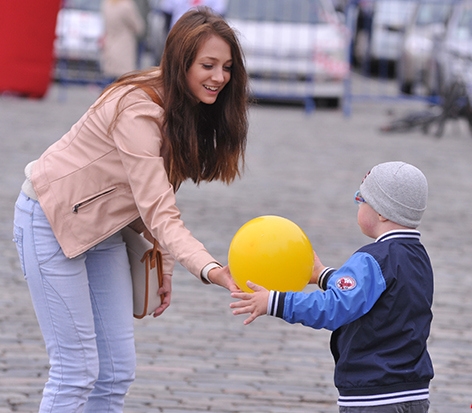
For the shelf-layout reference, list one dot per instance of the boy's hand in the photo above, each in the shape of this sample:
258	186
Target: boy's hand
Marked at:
254	303
317	270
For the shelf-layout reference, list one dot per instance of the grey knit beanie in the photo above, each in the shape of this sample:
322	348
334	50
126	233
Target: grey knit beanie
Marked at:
397	191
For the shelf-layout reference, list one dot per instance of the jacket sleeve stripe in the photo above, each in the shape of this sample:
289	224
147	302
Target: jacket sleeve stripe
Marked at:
275	305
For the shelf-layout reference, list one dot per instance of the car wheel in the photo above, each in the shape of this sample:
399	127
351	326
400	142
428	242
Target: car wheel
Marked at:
329	103
405	85
406	88
332	103
468	114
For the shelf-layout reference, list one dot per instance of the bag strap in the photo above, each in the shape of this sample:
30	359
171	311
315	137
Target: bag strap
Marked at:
153	258
153	94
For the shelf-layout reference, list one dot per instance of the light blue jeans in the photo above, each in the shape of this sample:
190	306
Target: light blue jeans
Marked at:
84	309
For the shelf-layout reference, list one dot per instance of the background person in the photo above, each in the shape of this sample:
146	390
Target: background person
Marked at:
378	304
144	9
124	26
119	165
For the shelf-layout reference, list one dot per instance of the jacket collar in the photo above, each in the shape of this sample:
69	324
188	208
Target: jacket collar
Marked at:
399	233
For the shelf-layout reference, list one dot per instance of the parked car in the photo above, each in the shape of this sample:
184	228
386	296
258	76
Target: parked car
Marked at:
426	27
452	59
451	74
293	49
379	31
79	36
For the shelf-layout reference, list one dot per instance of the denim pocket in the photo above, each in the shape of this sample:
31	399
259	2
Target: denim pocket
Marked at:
18	239
45	242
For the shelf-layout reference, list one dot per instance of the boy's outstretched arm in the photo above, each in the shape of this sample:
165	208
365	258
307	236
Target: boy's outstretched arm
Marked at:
253	303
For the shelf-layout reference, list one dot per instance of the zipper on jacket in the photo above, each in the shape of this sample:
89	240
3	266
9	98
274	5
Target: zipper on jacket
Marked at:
79	205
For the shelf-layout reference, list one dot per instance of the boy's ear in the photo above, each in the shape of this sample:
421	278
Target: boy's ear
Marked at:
382	218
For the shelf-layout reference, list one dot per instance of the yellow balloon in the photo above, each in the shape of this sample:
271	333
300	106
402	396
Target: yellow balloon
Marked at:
273	252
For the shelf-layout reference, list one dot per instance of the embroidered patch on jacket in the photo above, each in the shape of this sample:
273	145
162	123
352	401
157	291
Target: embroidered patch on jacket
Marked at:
346	283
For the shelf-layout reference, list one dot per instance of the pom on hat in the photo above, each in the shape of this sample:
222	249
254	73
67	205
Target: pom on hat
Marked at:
398	191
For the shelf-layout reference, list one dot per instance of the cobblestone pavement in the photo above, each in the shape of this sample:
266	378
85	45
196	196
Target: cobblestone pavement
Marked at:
198	357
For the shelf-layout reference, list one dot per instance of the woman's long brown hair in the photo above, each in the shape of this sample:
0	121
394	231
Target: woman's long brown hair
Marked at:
207	142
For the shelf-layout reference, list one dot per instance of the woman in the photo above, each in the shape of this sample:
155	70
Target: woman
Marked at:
119	165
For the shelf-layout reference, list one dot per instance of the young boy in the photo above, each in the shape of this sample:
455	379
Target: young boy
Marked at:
378	304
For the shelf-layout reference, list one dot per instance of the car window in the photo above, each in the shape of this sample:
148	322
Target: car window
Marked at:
90	5
284	11
432	13
393	10
463	30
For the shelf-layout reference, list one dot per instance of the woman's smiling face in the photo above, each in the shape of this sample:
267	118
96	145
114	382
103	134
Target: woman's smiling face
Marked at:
211	70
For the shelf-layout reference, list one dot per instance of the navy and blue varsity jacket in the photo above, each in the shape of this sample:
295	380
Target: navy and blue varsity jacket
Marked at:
378	305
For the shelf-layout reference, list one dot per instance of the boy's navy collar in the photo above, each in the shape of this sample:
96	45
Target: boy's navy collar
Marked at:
399	233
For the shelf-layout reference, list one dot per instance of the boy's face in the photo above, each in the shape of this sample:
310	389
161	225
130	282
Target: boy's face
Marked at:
368	220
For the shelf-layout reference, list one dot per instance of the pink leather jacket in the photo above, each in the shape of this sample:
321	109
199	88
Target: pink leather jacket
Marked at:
90	184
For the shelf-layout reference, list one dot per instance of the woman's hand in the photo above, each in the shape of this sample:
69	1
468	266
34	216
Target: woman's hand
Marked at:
165	291
223	278
254	303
